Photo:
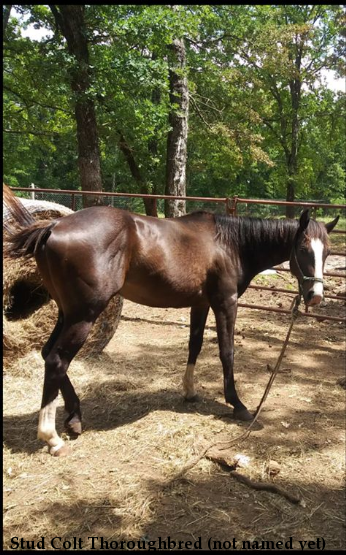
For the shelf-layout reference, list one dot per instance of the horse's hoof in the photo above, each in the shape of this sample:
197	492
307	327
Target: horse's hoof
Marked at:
62	452
194	399
243	414
73	427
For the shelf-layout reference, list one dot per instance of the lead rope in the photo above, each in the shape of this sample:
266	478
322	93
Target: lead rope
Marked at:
226	445
294	315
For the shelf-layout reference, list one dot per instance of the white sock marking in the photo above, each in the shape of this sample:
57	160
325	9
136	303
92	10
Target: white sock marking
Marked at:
188	385
46	427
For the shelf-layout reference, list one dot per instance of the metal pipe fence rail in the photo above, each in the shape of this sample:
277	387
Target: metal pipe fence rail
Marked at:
230	205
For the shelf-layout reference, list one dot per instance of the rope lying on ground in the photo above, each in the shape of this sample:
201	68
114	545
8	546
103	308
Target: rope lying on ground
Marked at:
226	445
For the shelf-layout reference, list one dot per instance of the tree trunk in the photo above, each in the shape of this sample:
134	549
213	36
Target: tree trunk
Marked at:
292	168
70	20
6	10
290	189
149	204
177	137
292	159
153	148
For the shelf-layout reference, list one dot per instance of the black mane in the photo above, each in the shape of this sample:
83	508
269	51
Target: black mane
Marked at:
243	231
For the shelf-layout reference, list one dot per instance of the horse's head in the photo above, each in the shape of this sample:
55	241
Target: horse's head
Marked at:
310	250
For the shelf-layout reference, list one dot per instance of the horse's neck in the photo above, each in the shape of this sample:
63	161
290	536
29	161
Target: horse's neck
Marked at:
268	246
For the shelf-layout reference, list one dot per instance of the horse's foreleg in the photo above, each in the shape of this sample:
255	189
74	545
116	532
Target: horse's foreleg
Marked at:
70	340
198	318
225	314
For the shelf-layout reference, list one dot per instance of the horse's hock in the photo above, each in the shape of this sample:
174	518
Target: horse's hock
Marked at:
30	314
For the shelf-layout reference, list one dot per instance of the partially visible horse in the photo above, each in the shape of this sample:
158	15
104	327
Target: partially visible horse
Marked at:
201	260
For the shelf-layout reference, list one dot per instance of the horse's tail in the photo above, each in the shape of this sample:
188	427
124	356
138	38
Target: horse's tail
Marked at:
22	233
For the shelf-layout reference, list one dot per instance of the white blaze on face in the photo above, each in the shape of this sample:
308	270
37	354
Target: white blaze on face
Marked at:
317	249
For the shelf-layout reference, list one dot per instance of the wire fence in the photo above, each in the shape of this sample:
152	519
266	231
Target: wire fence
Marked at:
134	202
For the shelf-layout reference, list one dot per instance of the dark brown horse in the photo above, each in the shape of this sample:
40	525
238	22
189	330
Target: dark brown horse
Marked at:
201	260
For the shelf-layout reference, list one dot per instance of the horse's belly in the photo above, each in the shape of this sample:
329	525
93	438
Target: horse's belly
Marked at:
162	296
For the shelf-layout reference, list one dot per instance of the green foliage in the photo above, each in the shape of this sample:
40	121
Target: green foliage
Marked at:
243	61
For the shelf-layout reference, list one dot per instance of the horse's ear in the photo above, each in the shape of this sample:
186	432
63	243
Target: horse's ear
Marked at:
304	220
332	224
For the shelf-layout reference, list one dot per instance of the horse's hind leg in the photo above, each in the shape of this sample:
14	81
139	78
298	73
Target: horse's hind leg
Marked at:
70	340
53	336
73	422
198	318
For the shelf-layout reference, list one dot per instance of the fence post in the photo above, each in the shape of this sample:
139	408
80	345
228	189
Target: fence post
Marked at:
32	195
231	205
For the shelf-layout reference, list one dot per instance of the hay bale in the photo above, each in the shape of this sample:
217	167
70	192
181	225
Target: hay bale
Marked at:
30	314
40	209
20	336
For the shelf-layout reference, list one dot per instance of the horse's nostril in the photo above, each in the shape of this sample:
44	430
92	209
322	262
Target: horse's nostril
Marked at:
310	295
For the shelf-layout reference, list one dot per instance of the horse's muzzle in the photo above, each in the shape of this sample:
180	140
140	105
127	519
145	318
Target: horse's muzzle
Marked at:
313	298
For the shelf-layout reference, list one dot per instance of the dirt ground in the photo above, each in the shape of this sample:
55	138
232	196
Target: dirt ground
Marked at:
139	432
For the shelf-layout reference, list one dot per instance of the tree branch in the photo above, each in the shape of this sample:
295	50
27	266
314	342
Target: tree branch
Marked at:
199	113
32	101
30	132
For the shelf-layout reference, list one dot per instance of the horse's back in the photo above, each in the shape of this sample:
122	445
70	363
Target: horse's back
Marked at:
93	220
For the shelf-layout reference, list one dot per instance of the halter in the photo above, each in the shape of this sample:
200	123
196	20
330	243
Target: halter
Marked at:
302	277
